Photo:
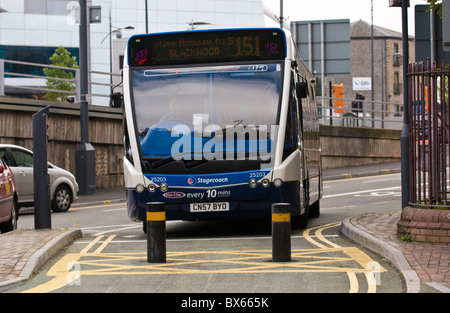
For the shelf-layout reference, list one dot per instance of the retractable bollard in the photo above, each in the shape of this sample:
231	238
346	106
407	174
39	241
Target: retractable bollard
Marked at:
281	232
156	232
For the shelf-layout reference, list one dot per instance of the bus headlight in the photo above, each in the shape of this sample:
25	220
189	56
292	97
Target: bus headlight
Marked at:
277	182
140	188
163	187
252	183
265	183
151	187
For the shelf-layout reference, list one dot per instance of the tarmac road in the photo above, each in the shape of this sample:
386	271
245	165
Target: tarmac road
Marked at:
376	233
219	257
322	261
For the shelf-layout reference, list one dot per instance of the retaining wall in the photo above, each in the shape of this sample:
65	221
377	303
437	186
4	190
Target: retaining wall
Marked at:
341	146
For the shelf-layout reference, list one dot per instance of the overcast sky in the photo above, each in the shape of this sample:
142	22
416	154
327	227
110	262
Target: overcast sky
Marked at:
383	15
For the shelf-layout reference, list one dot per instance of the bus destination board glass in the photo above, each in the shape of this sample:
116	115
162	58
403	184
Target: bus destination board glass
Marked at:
206	47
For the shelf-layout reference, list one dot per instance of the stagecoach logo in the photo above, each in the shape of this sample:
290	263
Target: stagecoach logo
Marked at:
191	181
174	195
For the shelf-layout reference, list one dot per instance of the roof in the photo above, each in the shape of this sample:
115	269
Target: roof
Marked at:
362	29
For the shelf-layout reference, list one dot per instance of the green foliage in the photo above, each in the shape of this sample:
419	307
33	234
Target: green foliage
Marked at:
436	5
61	57
406	238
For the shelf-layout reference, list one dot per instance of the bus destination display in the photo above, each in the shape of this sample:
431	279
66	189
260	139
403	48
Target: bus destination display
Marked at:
206	46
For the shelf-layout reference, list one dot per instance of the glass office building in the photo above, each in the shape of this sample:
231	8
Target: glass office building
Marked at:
31	30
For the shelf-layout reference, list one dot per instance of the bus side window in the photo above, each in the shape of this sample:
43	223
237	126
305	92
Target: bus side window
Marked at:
291	138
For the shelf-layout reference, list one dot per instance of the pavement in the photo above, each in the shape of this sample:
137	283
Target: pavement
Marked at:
425	266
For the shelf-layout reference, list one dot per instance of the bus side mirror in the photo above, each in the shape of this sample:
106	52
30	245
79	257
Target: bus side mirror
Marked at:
301	89
115	100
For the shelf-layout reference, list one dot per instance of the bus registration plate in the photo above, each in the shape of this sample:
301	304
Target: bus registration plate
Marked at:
210	207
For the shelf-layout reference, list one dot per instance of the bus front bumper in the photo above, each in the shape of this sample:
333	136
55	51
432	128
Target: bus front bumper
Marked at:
189	204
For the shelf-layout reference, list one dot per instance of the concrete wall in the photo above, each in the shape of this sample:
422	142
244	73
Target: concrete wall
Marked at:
105	134
351	146
341	146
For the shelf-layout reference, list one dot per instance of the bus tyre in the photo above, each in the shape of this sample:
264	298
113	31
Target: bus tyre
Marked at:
314	210
299	221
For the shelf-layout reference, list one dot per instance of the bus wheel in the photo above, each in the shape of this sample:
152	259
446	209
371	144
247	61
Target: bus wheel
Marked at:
299	221
314	209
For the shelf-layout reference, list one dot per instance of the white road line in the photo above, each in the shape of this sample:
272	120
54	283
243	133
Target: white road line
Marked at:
360	192
378	180
202	239
112	210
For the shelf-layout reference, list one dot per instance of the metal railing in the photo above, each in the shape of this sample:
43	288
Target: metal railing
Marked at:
384	115
37	88
429	127
103	80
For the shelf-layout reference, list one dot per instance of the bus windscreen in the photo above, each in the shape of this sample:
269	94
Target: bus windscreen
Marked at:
193	103
206	47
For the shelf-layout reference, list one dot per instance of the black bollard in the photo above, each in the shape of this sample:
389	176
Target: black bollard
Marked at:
156	232
41	179
281	232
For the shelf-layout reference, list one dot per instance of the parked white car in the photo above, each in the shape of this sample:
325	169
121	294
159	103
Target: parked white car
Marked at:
63	185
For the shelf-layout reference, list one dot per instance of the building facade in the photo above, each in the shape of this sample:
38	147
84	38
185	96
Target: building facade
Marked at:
387	67
30	30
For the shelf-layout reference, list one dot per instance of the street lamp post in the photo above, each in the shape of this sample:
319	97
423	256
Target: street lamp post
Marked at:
85	152
404	140
111	31
372	66
146	17
405	131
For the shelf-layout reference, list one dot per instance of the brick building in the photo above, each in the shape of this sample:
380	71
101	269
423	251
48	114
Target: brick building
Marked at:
388	66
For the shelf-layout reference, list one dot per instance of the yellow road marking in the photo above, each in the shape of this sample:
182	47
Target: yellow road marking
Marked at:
328	257
104	244
319	235
90	245
61	272
355	254
323	239
105	204
354	285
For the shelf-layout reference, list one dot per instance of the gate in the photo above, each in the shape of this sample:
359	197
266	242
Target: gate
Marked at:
429	134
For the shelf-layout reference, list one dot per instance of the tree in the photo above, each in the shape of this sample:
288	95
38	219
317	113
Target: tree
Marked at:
436	5
61	57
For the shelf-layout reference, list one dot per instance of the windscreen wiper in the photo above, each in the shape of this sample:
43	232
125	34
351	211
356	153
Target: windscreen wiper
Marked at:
161	162
194	163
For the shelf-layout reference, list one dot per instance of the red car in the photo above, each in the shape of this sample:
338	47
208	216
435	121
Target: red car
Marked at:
8	199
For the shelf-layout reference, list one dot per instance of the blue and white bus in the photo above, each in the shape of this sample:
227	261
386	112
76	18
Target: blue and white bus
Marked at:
220	124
